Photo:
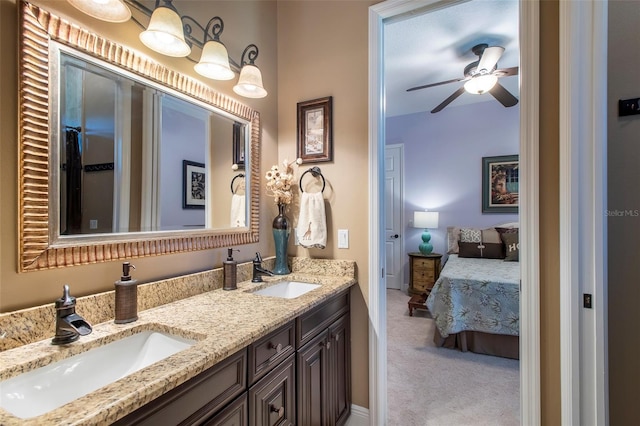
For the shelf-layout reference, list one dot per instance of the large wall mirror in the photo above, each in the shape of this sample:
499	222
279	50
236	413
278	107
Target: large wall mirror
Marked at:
121	157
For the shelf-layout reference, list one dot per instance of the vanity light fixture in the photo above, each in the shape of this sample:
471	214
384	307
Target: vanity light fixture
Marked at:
250	81
165	33
170	34
105	10
480	84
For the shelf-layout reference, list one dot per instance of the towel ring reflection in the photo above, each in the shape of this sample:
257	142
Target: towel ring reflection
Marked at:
239	175
315	172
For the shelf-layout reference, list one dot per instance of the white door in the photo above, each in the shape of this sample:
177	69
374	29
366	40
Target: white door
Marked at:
393	195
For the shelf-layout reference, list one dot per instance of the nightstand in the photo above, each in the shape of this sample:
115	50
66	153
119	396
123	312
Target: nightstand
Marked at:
424	270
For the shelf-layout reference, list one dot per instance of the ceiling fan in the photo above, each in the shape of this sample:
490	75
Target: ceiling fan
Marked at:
480	76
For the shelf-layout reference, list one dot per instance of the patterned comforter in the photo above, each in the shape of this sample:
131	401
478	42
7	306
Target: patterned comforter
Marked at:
477	295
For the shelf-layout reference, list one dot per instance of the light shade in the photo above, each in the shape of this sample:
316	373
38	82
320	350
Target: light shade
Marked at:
105	10
426	220
165	33
214	62
480	84
250	83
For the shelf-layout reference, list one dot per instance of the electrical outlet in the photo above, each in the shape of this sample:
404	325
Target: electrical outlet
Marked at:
628	107
93	223
343	238
587	301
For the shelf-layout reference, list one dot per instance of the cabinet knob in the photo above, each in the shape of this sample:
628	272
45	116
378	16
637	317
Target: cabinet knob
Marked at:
280	411
277	347
394	236
336	337
326	344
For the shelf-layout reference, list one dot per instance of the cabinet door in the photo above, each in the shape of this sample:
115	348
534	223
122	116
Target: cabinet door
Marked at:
234	414
312	365
340	370
272	400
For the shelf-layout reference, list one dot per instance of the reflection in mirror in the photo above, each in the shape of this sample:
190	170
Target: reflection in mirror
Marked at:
121	157
122	140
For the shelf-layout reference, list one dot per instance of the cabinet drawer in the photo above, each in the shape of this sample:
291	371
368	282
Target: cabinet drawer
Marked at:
424	275
311	323
423	264
269	351
422	286
272	400
234	414
197	398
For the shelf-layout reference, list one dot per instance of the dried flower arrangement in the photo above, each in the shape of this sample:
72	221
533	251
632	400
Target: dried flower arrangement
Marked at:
279	181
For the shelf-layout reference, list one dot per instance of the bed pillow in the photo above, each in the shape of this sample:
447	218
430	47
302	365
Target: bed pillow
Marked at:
453	236
481	243
512	246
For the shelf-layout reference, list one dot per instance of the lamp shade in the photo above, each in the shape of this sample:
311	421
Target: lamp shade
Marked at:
250	83
480	84
426	220
214	62
165	33
105	10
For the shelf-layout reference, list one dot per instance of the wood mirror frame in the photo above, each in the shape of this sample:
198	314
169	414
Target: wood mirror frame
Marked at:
38	247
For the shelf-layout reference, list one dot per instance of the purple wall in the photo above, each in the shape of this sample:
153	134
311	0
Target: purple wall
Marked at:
443	165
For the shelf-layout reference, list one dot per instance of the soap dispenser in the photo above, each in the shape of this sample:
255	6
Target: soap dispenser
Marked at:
230	272
126	296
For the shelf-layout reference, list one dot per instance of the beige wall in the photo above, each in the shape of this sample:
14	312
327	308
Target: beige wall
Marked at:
623	177
323	51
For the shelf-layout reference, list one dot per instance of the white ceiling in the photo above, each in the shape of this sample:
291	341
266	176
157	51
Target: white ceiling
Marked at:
436	46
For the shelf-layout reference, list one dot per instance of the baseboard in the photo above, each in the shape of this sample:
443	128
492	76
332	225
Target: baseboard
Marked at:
359	416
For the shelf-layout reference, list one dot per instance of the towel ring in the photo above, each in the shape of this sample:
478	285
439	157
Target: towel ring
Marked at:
315	172
239	175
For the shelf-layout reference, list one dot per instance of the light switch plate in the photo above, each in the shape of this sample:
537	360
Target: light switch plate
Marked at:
343	238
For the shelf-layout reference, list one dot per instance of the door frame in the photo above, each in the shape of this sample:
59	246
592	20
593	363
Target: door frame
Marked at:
529	214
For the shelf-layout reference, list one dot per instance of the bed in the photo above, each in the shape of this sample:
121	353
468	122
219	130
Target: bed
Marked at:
475	305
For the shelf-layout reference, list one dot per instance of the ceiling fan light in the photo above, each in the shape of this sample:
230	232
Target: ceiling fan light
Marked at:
480	84
214	62
165	33
105	10
250	83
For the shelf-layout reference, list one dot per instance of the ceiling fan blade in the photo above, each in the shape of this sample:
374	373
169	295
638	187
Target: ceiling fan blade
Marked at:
490	58
506	72
436	84
447	101
503	95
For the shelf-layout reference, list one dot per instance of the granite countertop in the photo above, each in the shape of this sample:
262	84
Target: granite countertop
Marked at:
222	322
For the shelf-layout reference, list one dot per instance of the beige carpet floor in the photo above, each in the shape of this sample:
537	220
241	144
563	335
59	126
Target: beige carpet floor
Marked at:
432	386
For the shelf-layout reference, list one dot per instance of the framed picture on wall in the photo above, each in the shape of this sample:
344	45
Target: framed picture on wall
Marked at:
315	142
193	185
500	178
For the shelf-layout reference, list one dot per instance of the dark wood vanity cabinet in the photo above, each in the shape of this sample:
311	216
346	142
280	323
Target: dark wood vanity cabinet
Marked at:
299	374
324	364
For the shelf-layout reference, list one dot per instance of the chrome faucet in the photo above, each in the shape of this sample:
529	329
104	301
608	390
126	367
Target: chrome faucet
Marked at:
69	325
258	270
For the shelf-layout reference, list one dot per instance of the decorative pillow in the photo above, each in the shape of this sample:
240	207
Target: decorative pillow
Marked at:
484	243
453	236
507	231
512	246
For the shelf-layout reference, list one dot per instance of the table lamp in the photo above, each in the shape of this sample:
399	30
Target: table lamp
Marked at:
426	220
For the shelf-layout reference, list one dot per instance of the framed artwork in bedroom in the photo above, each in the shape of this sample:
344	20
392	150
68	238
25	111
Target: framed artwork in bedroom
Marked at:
315	139
193	185
500	178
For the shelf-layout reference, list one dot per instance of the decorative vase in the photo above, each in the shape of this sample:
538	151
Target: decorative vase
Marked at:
281	239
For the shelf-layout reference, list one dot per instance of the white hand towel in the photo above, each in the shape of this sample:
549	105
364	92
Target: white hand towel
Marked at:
312	223
238	211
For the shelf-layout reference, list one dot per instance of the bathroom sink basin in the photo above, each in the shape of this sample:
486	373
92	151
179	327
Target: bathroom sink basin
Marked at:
287	289
41	390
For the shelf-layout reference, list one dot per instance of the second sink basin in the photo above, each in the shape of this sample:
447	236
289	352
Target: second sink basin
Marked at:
287	289
39	391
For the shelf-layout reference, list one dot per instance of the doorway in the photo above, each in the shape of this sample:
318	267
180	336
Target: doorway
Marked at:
529	320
